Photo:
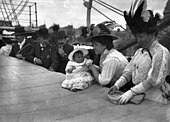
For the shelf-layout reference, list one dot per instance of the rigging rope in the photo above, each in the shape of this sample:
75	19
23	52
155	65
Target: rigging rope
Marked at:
5	9
13	12
2	12
26	2
108	8
111	6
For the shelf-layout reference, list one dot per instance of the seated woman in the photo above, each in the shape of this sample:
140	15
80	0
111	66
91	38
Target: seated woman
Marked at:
112	62
150	64
77	75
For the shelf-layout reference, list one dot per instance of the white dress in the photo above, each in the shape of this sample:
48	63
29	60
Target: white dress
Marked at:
80	78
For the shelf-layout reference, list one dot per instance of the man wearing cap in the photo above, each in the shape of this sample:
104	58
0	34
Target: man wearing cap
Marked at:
64	47
112	62
150	64
43	54
19	48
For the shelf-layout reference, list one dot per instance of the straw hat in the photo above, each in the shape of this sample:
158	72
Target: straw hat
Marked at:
101	30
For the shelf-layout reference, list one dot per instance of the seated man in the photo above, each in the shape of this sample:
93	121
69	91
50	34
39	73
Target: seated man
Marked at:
21	43
43	54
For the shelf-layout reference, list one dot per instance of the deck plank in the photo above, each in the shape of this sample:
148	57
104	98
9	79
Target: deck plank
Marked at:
30	93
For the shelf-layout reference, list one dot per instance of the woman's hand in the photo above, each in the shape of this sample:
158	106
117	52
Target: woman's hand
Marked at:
124	98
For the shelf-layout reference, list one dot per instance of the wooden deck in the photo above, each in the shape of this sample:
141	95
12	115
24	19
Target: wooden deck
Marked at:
29	93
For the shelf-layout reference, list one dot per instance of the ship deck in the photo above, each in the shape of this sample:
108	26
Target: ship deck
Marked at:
30	93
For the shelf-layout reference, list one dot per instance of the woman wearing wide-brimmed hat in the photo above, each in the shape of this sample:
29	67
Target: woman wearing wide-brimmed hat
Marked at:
112	62
150	64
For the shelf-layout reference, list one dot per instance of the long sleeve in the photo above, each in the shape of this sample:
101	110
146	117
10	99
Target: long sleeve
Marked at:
157	73
31	55
108	70
14	50
69	65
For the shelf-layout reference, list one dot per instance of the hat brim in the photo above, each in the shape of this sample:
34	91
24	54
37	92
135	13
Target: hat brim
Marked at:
85	52
24	33
92	38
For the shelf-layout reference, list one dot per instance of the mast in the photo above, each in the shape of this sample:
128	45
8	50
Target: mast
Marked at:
88	5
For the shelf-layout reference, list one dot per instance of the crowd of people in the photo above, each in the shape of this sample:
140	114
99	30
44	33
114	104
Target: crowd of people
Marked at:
145	73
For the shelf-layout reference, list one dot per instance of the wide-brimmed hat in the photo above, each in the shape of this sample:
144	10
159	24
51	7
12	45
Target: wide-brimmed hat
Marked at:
141	20
61	34
43	32
84	51
19	30
101	30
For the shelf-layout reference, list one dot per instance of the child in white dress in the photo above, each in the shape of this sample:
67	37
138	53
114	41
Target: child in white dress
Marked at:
77	72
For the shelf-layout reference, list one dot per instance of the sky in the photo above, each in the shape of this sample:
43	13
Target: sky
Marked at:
73	12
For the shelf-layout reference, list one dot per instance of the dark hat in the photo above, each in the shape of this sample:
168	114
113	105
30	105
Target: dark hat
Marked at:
19	30
101	30
61	34
43	32
56	27
141	20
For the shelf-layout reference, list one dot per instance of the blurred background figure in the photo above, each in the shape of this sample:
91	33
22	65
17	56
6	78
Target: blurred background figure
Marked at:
64	48
6	50
21	42
53	31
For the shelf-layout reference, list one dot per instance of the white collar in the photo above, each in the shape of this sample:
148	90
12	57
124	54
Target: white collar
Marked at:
22	43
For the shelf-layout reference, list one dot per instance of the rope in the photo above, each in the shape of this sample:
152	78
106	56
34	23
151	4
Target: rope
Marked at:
102	14
108	7
5	9
13	12
111	6
26	2
2	12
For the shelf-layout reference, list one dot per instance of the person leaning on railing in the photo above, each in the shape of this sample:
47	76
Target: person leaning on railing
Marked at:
150	64
112	62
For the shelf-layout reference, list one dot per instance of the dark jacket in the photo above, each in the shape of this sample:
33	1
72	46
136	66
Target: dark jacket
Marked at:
16	49
67	49
48	55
